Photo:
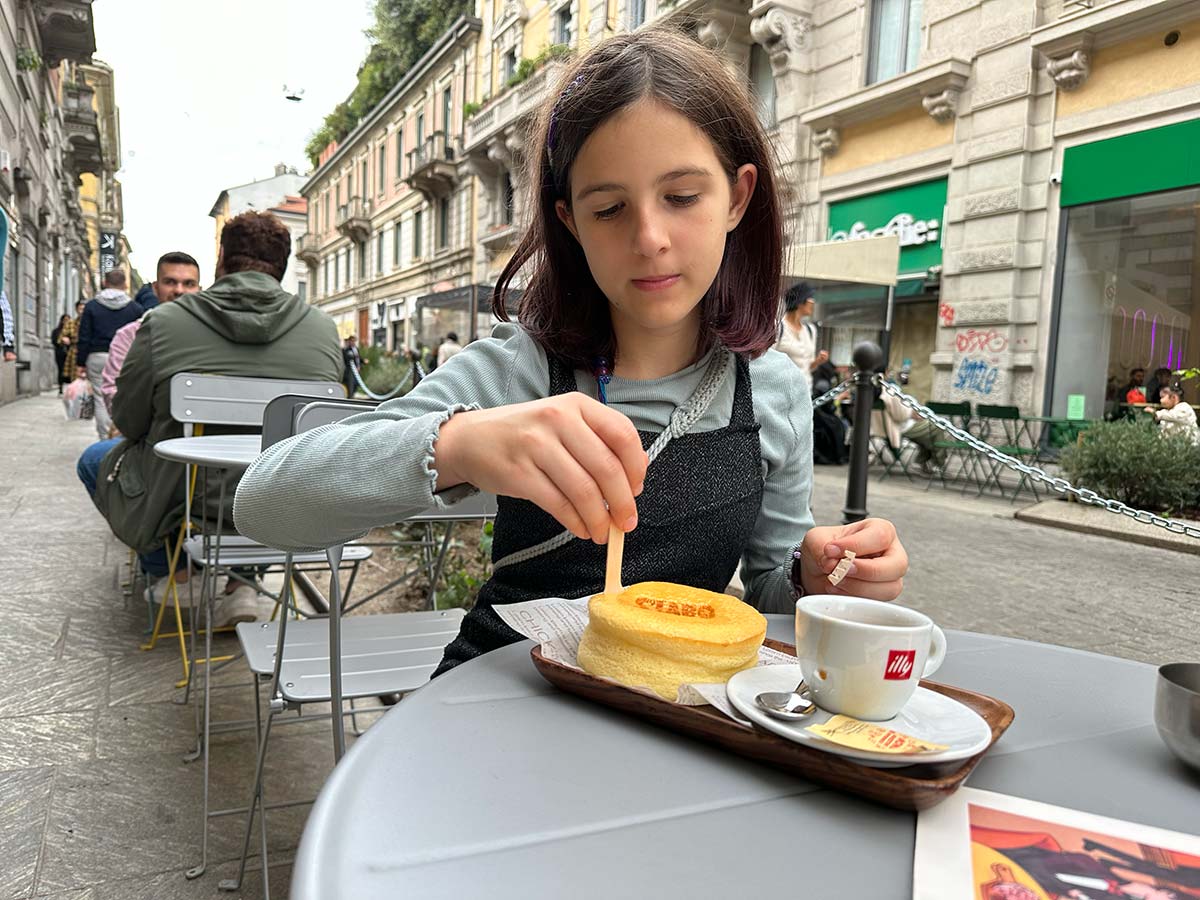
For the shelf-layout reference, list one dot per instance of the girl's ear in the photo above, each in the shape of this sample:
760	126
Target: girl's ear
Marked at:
565	216
744	182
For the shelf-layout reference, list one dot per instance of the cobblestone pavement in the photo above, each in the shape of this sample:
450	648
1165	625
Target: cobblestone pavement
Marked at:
97	804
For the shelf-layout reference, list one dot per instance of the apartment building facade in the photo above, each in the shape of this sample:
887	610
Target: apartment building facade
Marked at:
59	199
1032	156
389	241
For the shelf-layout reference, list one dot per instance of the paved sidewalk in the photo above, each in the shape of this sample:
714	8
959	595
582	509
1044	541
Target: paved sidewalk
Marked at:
95	800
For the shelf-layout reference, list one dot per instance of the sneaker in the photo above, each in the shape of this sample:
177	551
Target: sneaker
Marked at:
245	604
158	592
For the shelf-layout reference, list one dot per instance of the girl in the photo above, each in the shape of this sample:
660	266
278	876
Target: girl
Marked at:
636	389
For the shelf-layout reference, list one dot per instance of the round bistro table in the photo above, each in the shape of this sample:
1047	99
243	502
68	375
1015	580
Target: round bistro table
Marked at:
489	782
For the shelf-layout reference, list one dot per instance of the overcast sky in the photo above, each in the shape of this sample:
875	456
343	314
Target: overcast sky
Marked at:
200	89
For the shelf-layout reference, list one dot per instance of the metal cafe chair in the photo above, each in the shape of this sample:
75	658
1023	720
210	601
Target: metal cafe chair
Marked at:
328	660
198	400
1003	427
954	450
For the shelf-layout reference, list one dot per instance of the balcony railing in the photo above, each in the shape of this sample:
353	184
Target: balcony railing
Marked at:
354	219
431	168
513	104
307	249
66	30
83	134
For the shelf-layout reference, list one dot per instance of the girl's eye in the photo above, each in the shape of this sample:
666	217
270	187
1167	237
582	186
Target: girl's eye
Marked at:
683	199
609	212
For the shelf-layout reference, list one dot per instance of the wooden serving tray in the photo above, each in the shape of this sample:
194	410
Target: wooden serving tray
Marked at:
912	787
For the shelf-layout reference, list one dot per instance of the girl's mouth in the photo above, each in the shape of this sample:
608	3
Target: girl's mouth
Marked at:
655	283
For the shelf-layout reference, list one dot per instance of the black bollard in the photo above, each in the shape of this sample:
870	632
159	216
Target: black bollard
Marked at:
867	357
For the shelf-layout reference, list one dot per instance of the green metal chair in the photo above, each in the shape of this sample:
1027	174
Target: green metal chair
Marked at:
954	450
1003	428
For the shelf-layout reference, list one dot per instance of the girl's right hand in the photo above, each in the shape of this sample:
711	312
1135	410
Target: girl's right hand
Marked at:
574	457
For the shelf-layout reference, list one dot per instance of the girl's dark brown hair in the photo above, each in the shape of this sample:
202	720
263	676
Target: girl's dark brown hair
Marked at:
561	306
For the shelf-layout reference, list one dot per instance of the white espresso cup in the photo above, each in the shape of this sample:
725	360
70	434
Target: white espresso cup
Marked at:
863	658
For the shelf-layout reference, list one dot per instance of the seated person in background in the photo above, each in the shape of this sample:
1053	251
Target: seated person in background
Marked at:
1160	379
177	274
829	430
1134	392
901	422
244	325
1176	417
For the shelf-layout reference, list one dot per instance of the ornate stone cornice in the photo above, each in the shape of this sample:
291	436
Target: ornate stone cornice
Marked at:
1070	71
782	33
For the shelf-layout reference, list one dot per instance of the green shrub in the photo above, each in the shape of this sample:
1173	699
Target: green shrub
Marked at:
1134	463
382	371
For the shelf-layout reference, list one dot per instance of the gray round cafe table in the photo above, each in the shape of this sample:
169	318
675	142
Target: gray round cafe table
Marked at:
489	782
219	451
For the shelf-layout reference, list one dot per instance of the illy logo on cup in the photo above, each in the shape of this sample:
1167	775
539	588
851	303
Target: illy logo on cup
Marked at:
899	665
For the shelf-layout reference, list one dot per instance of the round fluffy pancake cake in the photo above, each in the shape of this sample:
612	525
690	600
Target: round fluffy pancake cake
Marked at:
661	635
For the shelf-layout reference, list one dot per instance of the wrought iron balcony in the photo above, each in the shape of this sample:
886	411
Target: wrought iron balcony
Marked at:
83	134
431	168
66	30
354	219
306	249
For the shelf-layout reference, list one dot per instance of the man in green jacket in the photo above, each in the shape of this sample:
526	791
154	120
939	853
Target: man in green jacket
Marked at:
245	324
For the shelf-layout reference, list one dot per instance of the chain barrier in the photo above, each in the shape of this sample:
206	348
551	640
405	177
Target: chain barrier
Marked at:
1059	485
832	394
394	391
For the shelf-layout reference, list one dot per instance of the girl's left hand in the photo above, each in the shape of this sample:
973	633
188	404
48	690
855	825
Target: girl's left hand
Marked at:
879	566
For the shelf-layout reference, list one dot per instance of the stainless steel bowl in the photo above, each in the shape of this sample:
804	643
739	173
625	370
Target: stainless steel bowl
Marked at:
1177	710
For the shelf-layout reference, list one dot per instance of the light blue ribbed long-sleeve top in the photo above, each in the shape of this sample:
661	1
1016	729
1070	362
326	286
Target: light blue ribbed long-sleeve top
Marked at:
335	483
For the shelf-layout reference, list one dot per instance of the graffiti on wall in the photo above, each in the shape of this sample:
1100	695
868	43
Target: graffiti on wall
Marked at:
976	376
946	314
990	341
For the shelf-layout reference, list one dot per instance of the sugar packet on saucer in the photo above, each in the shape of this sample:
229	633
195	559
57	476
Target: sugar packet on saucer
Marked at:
867	736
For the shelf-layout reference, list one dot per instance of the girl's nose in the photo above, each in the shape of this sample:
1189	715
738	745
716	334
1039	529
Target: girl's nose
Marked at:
650	237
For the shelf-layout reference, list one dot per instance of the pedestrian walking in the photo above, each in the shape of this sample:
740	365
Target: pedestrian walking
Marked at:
646	320
60	350
351	360
101	318
448	348
70	342
798	333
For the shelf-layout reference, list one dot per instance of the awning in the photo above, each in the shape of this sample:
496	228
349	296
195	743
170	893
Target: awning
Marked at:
874	260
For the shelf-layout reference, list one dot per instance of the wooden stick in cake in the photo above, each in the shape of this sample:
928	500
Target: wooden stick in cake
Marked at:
616	550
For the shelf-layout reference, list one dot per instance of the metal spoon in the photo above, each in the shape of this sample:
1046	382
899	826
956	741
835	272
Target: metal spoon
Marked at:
787	705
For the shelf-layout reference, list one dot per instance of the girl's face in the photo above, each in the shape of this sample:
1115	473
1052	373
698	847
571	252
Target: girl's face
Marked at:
651	206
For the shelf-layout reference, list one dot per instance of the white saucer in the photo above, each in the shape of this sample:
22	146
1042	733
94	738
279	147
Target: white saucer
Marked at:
929	716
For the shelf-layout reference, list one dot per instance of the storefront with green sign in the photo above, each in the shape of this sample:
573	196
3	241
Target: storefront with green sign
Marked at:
1127	299
850	313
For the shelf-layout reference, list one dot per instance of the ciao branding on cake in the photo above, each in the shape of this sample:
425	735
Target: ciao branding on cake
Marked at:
911	231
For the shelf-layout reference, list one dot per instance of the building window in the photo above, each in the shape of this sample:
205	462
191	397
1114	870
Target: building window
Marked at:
302	291
349	187
362	261
1129	303
637	13
418	216
447	109
325	277
420	130
507	196
328	217
895	38
382	179
379	254
509	65
397	237
443	223
562	25
366	184
762	80
400	151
